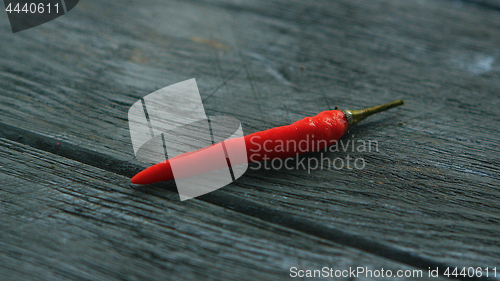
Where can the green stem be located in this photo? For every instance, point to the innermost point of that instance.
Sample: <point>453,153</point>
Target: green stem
<point>355,116</point>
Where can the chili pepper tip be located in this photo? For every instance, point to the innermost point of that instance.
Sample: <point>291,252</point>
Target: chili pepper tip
<point>140,178</point>
<point>355,116</point>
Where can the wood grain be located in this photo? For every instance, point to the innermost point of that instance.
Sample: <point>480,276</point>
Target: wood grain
<point>62,219</point>
<point>430,191</point>
<point>490,4</point>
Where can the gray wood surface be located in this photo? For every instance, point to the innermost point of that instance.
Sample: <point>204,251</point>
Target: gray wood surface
<point>491,4</point>
<point>428,196</point>
<point>89,224</point>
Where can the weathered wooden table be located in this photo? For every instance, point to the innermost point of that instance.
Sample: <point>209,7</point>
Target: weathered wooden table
<point>429,197</point>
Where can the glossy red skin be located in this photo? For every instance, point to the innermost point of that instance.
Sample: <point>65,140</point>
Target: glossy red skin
<point>328,126</point>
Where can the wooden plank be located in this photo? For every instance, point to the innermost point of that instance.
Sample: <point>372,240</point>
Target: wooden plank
<point>433,178</point>
<point>62,219</point>
<point>491,4</point>
<point>430,189</point>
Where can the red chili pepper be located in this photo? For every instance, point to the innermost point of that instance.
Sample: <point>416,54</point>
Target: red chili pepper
<point>307,135</point>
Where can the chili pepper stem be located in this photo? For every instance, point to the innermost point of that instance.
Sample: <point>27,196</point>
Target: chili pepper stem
<point>355,116</point>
